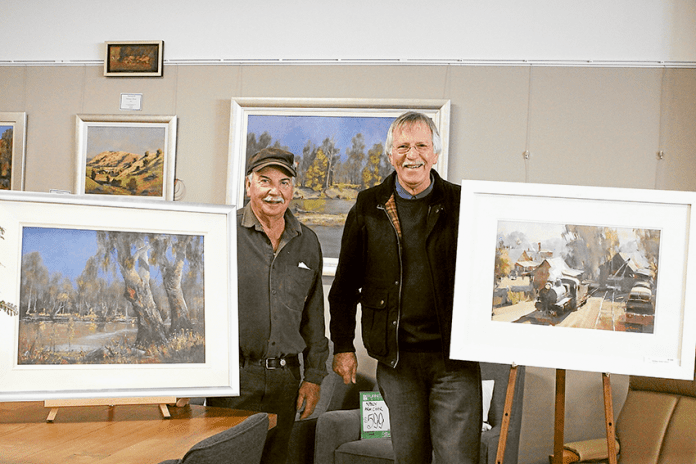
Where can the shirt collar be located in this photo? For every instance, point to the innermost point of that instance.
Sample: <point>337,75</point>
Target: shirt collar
<point>403,193</point>
<point>249,220</point>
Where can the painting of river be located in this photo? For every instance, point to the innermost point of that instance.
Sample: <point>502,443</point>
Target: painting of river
<point>110,297</point>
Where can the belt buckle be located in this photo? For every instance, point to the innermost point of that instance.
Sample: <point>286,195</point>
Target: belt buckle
<point>281,361</point>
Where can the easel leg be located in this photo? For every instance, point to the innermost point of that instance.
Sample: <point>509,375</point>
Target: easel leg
<point>52,415</point>
<point>505,425</point>
<point>559,417</point>
<point>165,411</point>
<point>609,418</point>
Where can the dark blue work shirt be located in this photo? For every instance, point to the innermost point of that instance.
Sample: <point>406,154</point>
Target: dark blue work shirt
<point>281,298</point>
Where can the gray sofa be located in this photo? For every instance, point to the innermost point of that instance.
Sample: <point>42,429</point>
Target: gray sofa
<point>338,432</point>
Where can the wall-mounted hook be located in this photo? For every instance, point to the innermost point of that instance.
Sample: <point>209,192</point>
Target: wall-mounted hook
<point>660,155</point>
<point>526,154</point>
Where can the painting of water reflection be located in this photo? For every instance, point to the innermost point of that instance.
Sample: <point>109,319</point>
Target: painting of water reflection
<point>110,297</point>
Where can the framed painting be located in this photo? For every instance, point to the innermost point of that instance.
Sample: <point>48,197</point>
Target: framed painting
<point>125,156</point>
<point>13,137</point>
<point>105,299</point>
<point>583,278</point>
<point>134,59</point>
<point>339,150</point>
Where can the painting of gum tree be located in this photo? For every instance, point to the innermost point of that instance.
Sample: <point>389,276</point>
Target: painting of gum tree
<point>102,297</point>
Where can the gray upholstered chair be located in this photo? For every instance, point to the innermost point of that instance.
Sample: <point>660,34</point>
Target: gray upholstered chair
<point>241,444</point>
<point>338,432</point>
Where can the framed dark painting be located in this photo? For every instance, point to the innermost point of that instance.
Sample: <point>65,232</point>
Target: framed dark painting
<point>134,58</point>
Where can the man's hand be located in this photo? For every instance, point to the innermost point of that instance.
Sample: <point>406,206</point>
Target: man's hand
<point>346,365</point>
<point>309,396</point>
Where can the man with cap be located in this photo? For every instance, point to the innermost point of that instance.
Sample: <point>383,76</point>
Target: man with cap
<point>281,303</point>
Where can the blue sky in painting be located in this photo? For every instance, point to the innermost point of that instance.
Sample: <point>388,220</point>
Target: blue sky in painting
<point>62,250</point>
<point>132,139</point>
<point>294,131</point>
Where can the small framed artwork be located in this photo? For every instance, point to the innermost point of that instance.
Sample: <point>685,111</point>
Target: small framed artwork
<point>125,156</point>
<point>12,150</point>
<point>134,59</point>
<point>120,299</point>
<point>584,278</point>
<point>339,150</point>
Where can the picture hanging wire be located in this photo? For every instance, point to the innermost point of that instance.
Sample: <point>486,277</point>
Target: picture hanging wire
<point>526,155</point>
<point>179,189</point>
<point>660,141</point>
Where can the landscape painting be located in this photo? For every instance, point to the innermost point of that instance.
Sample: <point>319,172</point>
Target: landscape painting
<point>12,150</point>
<point>110,297</point>
<point>336,158</point>
<point>581,276</point>
<point>6,137</point>
<point>128,59</point>
<point>339,151</point>
<point>129,158</point>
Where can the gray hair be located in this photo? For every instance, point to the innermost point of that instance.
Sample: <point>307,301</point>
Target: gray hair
<point>408,119</point>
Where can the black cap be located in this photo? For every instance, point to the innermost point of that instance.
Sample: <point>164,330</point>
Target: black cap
<point>272,157</point>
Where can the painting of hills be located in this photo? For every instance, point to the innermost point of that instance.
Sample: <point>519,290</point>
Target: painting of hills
<point>123,173</point>
<point>125,161</point>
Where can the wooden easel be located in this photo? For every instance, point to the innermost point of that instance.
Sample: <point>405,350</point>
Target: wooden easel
<point>505,425</point>
<point>161,401</point>
<point>560,418</point>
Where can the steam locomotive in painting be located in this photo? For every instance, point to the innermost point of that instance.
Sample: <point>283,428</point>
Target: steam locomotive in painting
<point>558,296</point>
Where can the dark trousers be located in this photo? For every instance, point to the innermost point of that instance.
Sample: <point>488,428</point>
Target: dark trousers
<point>433,410</point>
<point>273,391</point>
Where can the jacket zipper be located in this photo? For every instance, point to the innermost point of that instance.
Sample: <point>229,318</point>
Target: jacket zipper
<point>401,279</point>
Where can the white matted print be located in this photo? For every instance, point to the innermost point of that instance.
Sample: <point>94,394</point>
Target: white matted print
<point>583,278</point>
<point>116,298</point>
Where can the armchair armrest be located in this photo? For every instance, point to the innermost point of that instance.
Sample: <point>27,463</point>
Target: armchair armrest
<point>587,450</point>
<point>335,428</point>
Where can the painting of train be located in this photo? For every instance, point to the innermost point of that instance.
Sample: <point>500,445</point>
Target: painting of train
<point>578,276</point>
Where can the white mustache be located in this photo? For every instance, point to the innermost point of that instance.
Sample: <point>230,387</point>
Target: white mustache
<point>272,199</point>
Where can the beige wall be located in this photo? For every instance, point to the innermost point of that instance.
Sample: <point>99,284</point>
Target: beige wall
<point>584,126</point>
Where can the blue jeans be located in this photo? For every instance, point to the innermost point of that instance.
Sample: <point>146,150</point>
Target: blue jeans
<point>433,410</point>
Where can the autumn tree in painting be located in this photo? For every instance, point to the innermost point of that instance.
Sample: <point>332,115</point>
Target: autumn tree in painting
<point>35,280</point>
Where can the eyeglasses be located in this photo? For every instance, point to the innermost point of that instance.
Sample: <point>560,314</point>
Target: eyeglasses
<point>420,148</point>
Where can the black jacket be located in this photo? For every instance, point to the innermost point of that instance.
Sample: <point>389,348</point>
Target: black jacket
<point>369,269</point>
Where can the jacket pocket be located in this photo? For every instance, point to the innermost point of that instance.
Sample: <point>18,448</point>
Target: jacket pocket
<point>375,320</point>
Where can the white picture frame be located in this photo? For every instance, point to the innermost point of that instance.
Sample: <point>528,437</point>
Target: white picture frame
<point>333,109</point>
<point>13,133</point>
<point>667,350</point>
<point>35,371</point>
<point>125,156</point>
